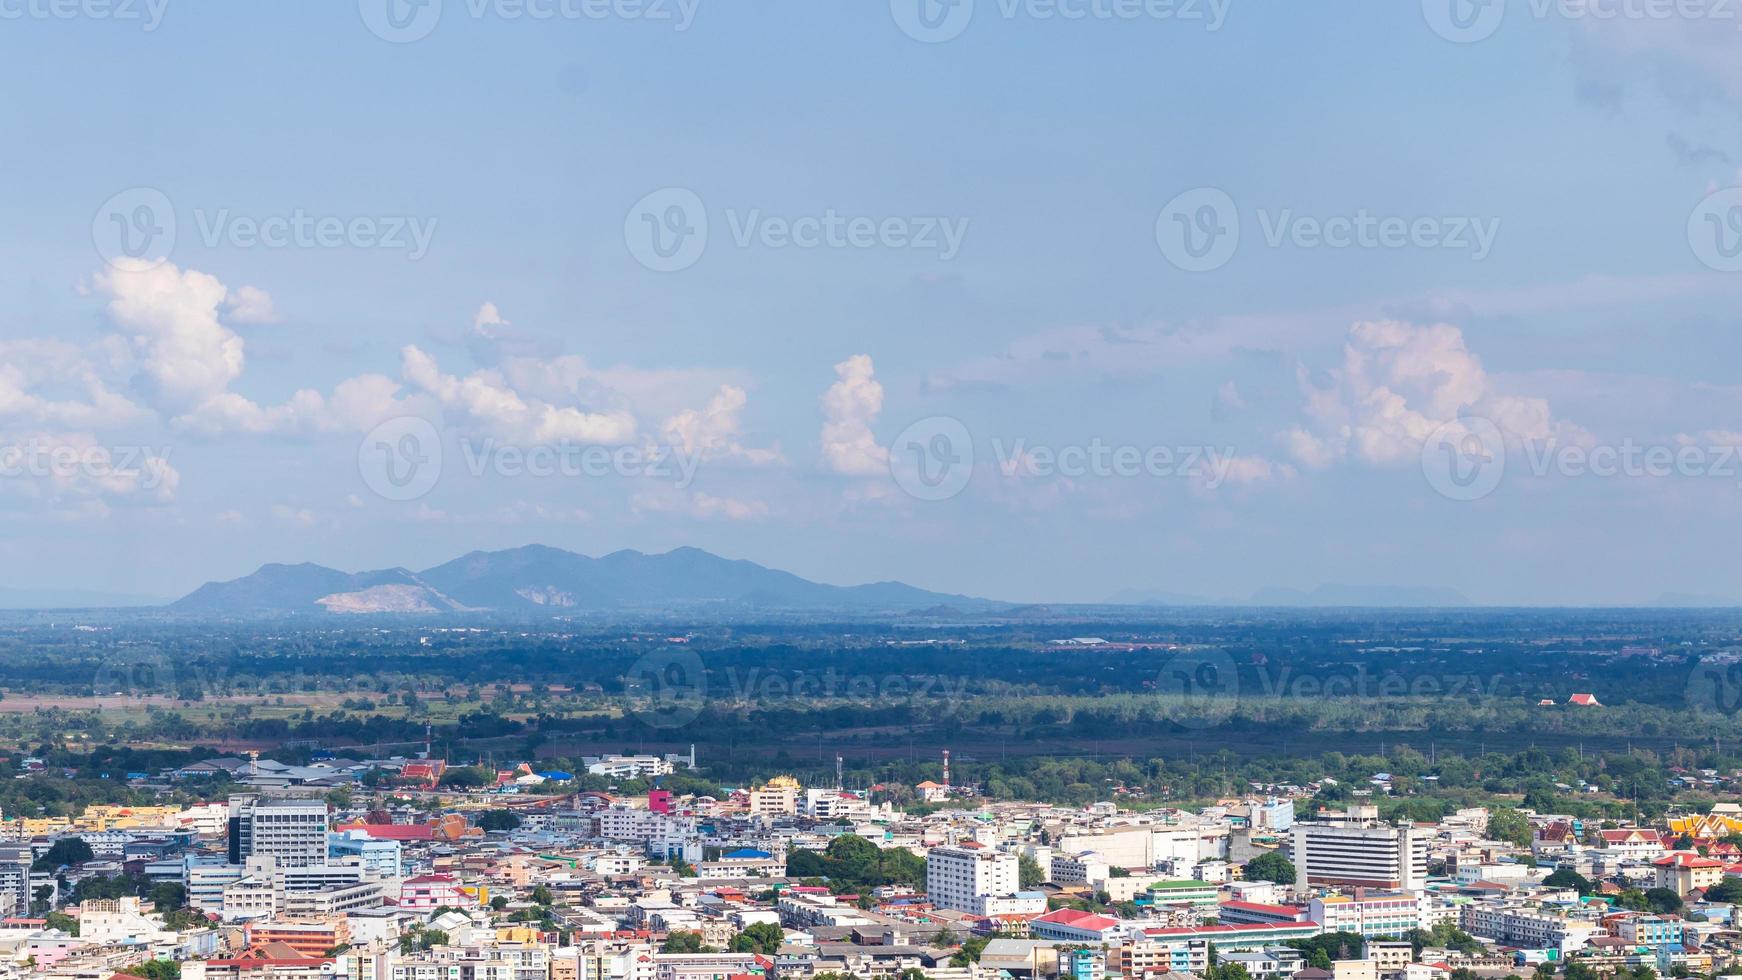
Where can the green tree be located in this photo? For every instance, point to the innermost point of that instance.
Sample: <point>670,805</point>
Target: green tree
<point>1664,901</point>
<point>1568,878</point>
<point>67,850</point>
<point>1510,825</point>
<point>1270,866</point>
<point>759,937</point>
<point>685,942</point>
<point>498,820</point>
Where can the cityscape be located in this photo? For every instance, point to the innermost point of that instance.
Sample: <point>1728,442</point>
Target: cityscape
<point>882,490</point>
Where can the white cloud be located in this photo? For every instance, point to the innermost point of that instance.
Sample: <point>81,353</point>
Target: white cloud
<point>712,433</point>
<point>486,317</point>
<point>485,398</point>
<point>250,304</point>
<point>1398,384</point>
<point>69,466</point>
<point>850,406</point>
<point>187,357</point>
<point>27,367</point>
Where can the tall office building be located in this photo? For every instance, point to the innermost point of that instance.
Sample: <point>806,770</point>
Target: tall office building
<point>291,832</point>
<point>963,877</point>
<point>1356,849</point>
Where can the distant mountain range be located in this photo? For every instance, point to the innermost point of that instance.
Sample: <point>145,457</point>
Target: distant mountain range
<point>536,579</point>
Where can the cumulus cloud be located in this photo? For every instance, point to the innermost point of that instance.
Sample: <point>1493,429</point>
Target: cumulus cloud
<point>30,369</point>
<point>72,466</point>
<point>850,406</point>
<point>187,357</point>
<point>712,432</point>
<point>1397,385</point>
<point>250,304</point>
<point>485,398</point>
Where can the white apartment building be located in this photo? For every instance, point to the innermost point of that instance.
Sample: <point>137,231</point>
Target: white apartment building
<point>959,877</point>
<point>291,832</point>
<point>1370,914</point>
<point>1527,928</point>
<point>1357,850</point>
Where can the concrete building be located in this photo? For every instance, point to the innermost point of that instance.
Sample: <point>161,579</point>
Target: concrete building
<point>959,877</point>
<point>291,832</point>
<point>1356,849</point>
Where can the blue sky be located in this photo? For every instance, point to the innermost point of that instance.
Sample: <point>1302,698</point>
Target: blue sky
<point>1557,292</point>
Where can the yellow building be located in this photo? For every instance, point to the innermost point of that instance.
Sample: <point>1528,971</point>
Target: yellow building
<point>777,797</point>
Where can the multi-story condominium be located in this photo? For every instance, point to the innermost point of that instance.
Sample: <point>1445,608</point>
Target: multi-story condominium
<point>291,832</point>
<point>1146,958</point>
<point>1685,871</point>
<point>1368,914</point>
<point>1357,849</point>
<point>498,961</point>
<point>958,877</point>
<point>702,966</point>
<point>1647,930</point>
<point>628,824</point>
<point>379,857</point>
<point>15,880</point>
<point>1527,928</point>
<point>205,879</point>
<point>775,798</point>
